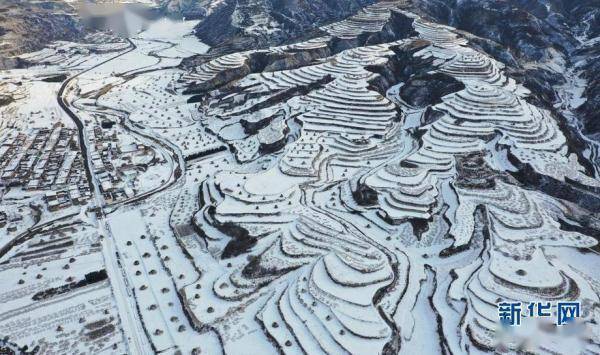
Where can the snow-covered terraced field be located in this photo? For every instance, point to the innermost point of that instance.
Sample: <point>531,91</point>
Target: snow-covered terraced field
<point>341,238</point>
<point>376,187</point>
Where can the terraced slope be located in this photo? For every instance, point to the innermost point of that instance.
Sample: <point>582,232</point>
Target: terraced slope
<point>356,222</point>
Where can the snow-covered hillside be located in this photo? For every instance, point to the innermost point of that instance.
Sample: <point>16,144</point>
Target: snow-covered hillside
<point>375,184</point>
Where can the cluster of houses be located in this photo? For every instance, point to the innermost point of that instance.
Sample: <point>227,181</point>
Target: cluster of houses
<point>45,159</point>
<point>116,164</point>
<point>10,219</point>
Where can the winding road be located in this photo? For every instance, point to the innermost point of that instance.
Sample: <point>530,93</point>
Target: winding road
<point>132,324</point>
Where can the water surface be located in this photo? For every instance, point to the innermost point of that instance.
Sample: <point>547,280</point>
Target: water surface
<point>124,20</point>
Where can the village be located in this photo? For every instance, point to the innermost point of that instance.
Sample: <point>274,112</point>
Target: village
<point>44,160</point>
<point>376,186</point>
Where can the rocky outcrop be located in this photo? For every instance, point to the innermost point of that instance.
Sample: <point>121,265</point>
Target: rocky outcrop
<point>29,26</point>
<point>190,9</point>
<point>237,25</point>
<point>428,89</point>
<point>589,111</point>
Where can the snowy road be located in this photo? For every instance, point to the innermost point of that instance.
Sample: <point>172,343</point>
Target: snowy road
<point>132,326</point>
<point>138,60</point>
